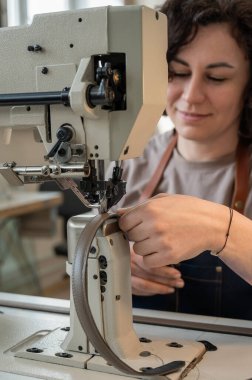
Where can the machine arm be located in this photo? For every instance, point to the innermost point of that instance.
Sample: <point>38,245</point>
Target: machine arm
<point>94,94</point>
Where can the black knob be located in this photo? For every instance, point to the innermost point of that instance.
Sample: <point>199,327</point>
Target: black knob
<point>64,133</point>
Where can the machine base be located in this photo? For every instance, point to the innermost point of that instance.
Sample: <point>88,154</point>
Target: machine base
<point>45,346</point>
<point>24,316</point>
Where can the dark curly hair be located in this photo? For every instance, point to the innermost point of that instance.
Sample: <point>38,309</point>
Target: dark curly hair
<point>186,16</point>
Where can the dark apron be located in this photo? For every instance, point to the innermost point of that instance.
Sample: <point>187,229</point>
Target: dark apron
<point>211,288</point>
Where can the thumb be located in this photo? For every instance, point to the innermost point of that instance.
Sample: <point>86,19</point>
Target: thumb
<point>160,195</point>
<point>122,211</point>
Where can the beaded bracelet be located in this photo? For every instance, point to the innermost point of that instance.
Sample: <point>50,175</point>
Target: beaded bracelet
<point>227,234</point>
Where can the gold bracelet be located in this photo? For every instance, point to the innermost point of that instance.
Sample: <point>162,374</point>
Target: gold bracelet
<point>227,234</point>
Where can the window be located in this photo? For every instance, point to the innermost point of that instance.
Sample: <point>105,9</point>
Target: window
<point>37,7</point>
<point>22,12</point>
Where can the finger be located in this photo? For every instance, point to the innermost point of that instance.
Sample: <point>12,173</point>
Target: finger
<point>154,275</point>
<point>165,275</point>
<point>138,233</point>
<point>131,218</point>
<point>149,288</point>
<point>171,272</point>
<point>161,195</point>
<point>157,259</point>
<point>144,247</point>
<point>165,271</point>
<point>174,283</point>
<point>122,211</point>
<point>161,274</point>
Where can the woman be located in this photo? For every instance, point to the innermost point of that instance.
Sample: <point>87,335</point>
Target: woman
<point>208,100</point>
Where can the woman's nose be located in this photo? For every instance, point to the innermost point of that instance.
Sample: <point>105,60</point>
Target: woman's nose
<point>194,91</point>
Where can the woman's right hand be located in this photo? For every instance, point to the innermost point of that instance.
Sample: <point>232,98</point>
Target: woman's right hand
<point>151,281</point>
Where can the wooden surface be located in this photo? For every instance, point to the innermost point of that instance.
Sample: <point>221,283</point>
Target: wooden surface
<point>21,203</point>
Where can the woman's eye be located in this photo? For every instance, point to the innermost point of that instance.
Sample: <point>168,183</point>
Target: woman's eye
<point>216,79</point>
<point>178,74</point>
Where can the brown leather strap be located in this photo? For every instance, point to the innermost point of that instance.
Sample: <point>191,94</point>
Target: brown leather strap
<point>242,171</point>
<point>241,187</point>
<point>158,173</point>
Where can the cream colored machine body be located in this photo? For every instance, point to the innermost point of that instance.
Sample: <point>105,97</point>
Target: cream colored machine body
<point>91,84</point>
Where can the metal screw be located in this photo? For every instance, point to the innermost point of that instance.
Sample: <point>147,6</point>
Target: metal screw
<point>145,354</point>
<point>34,48</point>
<point>103,277</point>
<point>145,340</point>
<point>174,344</point>
<point>44,70</point>
<point>65,328</point>
<point>145,369</point>
<point>92,249</point>
<point>126,150</point>
<point>45,171</point>
<point>34,350</point>
<point>63,355</point>
<point>103,289</point>
<point>62,152</point>
<point>103,262</point>
<point>239,205</point>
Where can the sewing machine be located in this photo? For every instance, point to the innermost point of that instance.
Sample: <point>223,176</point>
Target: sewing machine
<point>90,84</point>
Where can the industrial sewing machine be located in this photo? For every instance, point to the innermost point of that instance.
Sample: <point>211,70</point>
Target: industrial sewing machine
<point>90,83</point>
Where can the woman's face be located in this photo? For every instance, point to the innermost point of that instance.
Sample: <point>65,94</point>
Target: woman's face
<point>206,94</point>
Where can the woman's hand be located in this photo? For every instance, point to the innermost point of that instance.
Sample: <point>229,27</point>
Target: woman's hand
<point>150,281</point>
<point>168,229</point>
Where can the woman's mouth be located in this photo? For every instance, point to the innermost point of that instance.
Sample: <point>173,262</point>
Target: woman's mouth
<point>192,116</point>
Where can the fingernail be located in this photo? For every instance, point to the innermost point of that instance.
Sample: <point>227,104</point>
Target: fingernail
<point>179,284</point>
<point>177,275</point>
<point>171,291</point>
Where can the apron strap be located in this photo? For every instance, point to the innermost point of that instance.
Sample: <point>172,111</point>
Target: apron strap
<point>242,171</point>
<point>158,173</point>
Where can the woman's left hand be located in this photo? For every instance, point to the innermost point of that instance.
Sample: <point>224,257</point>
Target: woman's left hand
<point>168,229</point>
